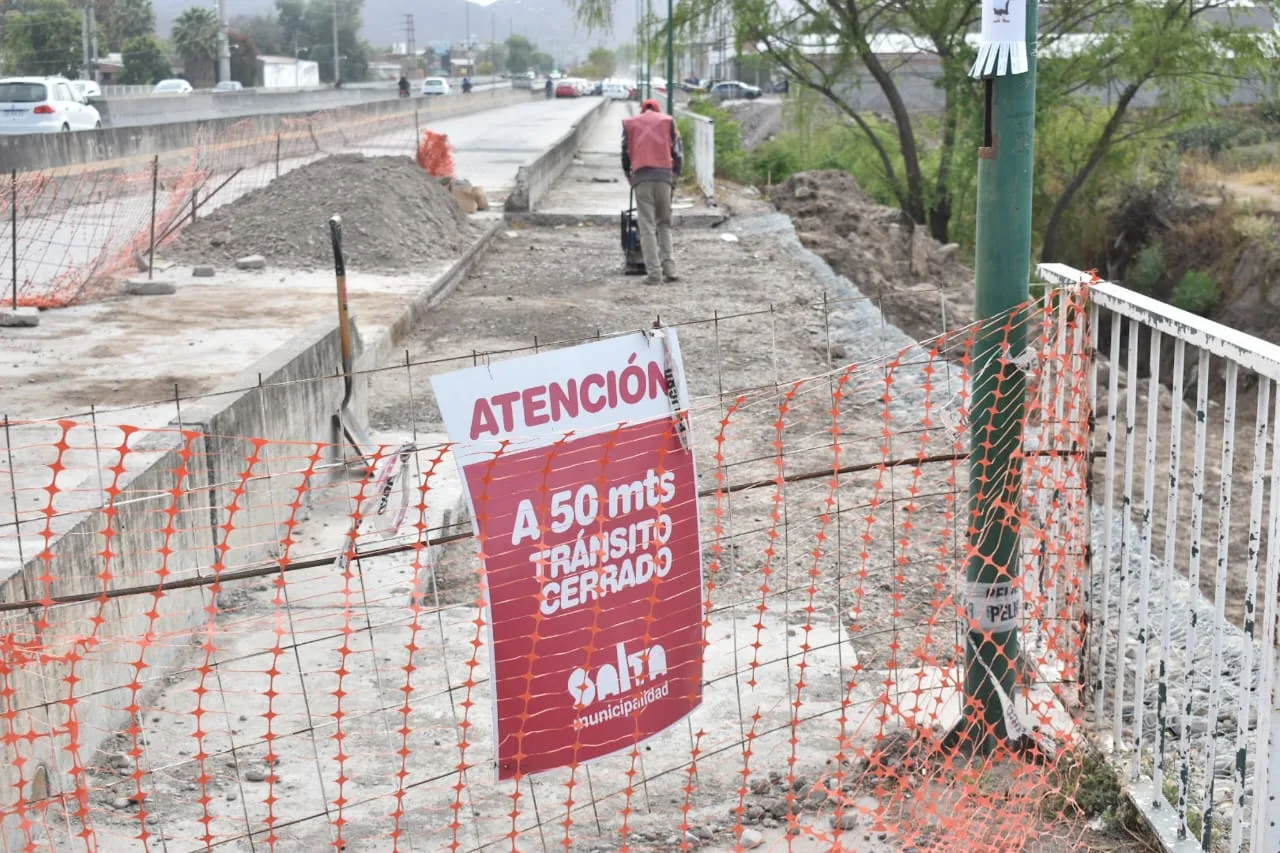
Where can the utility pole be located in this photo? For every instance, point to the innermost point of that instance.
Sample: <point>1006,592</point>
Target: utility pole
<point>224,43</point>
<point>493,52</point>
<point>1003,273</point>
<point>410,48</point>
<point>671,60</point>
<point>337,62</point>
<point>94,73</point>
<point>466,8</point>
<point>84,41</point>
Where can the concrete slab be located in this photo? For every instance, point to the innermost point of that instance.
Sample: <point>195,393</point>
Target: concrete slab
<point>150,287</point>
<point>19,317</point>
<point>594,189</point>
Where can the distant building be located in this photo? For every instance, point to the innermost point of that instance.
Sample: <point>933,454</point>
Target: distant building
<point>109,65</point>
<point>385,70</point>
<point>286,72</point>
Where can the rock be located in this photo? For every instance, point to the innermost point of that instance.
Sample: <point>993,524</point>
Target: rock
<point>752,813</point>
<point>19,317</point>
<point>149,287</point>
<point>919,252</point>
<point>778,809</point>
<point>693,841</point>
<point>946,254</point>
<point>251,262</point>
<point>839,351</point>
<point>222,238</point>
<point>231,796</point>
<point>817,797</point>
<point>121,803</point>
<point>255,775</point>
<point>751,838</point>
<point>760,786</point>
<point>511,235</point>
<point>703,832</point>
<point>799,783</point>
<point>769,823</point>
<point>203,271</point>
<point>845,821</point>
<point>802,192</point>
<point>120,760</point>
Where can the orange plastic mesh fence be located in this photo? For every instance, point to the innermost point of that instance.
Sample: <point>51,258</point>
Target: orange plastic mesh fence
<point>227,641</point>
<point>82,229</point>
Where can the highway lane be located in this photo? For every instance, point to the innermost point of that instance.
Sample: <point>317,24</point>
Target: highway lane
<point>490,147</point>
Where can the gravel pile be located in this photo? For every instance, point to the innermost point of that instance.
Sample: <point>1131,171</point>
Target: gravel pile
<point>394,216</point>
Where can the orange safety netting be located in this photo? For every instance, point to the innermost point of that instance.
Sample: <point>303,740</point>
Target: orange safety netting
<point>82,229</point>
<point>435,154</point>
<point>228,640</point>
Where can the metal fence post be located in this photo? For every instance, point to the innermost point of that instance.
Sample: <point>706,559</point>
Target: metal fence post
<point>277,155</point>
<point>13,232</point>
<point>155,186</point>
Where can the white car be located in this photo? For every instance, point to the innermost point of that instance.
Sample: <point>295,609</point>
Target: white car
<point>617,90</point>
<point>44,105</point>
<point>88,88</point>
<point>229,86</point>
<point>172,87</point>
<point>435,86</point>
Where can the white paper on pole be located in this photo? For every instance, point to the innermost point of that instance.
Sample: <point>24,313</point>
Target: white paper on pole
<point>1003,50</point>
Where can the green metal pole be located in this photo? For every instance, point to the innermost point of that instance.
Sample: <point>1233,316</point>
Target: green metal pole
<point>1003,271</point>
<point>671,60</point>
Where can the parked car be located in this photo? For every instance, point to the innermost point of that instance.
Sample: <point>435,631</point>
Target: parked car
<point>734,90</point>
<point>172,87</point>
<point>88,88</point>
<point>567,89</point>
<point>435,86</point>
<point>229,86</point>
<point>44,105</point>
<point>617,90</point>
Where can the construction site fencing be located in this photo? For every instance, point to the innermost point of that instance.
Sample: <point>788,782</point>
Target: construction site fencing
<point>75,233</point>
<point>1185,589</point>
<point>224,641</point>
<point>703,149</point>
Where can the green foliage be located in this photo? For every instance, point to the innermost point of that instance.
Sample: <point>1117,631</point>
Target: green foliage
<point>1215,136</point>
<point>544,63</point>
<point>1195,820</point>
<point>144,62</point>
<point>1197,292</point>
<point>732,160</point>
<point>601,62</point>
<point>195,38</point>
<point>43,40</point>
<point>244,58</point>
<point>1147,269</point>
<point>305,28</point>
<point>129,19</point>
<point>519,55</point>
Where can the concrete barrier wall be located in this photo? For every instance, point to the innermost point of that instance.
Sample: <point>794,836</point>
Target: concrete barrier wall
<point>205,106</point>
<point>535,178</point>
<point>101,149</point>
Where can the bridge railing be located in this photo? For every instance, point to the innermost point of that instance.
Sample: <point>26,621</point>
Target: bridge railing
<point>1185,569</point>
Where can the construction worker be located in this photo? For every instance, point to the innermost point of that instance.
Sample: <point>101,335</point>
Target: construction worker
<point>652,156</point>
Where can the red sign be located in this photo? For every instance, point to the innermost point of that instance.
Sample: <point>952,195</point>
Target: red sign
<point>590,544</point>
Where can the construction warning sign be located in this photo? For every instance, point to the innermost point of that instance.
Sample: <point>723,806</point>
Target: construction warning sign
<point>580,474</point>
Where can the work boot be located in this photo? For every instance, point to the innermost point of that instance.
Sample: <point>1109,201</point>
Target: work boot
<point>669,271</point>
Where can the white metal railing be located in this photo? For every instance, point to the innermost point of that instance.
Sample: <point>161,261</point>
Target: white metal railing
<point>120,91</point>
<point>704,152</point>
<point>1181,672</point>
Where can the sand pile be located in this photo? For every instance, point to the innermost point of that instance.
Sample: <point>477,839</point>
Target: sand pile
<point>394,216</point>
<point>919,283</point>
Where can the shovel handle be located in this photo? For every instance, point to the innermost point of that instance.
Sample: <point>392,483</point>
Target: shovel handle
<point>344,325</point>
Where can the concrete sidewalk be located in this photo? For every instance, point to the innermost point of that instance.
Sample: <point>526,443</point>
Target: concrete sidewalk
<point>594,189</point>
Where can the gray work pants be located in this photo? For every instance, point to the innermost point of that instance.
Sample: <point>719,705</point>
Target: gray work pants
<point>653,210</point>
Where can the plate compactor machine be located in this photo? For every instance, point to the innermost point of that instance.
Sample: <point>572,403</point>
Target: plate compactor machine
<point>633,258</point>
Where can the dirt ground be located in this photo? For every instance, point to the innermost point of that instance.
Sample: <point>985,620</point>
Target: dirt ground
<point>831,594</point>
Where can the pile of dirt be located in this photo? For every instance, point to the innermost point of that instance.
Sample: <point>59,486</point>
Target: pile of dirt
<point>919,283</point>
<point>394,216</point>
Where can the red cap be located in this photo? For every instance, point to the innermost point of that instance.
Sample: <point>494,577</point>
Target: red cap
<point>651,104</point>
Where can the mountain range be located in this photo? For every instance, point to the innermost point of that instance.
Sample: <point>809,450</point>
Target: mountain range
<point>548,23</point>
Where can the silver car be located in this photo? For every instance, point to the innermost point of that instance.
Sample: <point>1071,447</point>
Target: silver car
<point>44,105</point>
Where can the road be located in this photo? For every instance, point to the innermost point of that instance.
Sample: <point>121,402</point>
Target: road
<point>490,147</point>
<point>145,109</point>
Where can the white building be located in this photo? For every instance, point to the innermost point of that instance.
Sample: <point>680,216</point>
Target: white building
<point>287,72</point>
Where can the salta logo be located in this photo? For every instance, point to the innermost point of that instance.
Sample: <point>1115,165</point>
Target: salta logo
<point>633,670</point>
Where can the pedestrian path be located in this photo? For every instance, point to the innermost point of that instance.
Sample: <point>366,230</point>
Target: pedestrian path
<point>593,187</point>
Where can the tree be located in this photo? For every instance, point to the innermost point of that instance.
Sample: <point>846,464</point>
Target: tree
<point>601,62</point>
<point>1167,53</point>
<point>195,38</point>
<point>265,33</point>
<point>130,19</point>
<point>244,58</point>
<point>43,40</point>
<point>144,62</point>
<point>519,55</point>
<point>544,62</point>
<point>317,30</point>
